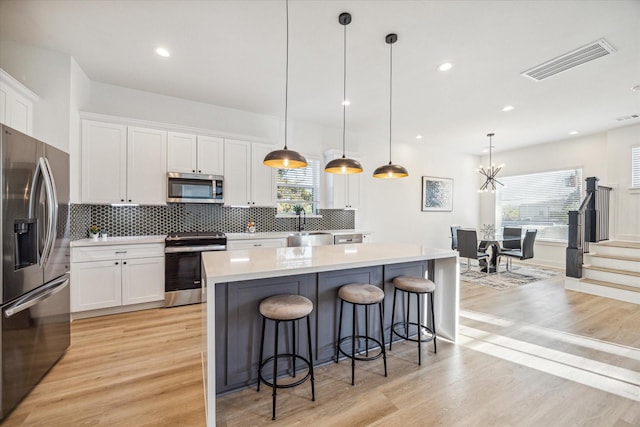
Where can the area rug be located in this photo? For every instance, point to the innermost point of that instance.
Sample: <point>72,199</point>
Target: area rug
<point>517,276</point>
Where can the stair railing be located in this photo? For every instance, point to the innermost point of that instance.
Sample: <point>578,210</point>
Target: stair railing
<point>590,223</point>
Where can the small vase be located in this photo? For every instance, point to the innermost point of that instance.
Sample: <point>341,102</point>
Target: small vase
<point>94,237</point>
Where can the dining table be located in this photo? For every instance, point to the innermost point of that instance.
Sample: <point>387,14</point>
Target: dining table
<point>492,245</point>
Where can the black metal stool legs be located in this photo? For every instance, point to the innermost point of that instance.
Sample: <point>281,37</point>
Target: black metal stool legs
<point>274,388</point>
<point>406,322</point>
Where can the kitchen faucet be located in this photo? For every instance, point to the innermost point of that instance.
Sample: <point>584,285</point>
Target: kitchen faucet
<point>302,221</point>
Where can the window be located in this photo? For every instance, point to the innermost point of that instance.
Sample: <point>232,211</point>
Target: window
<point>539,201</point>
<point>635,167</point>
<point>299,187</point>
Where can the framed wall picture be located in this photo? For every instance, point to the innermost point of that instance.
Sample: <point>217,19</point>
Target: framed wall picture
<point>437,194</point>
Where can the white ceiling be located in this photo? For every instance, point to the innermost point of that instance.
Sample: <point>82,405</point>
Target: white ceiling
<point>232,54</point>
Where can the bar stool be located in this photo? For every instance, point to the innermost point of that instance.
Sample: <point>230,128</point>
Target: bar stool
<point>416,286</point>
<point>285,308</point>
<point>361,295</point>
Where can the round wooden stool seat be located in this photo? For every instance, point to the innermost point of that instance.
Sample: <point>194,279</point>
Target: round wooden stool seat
<point>414,284</point>
<point>286,307</point>
<point>361,293</point>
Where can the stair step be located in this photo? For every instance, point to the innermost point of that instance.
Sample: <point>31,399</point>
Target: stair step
<point>614,271</point>
<point>620,244</point>
<point>610,285</point>
<point>609,256</point>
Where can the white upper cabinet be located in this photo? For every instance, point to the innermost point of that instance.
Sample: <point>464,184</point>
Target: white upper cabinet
<point>263,178</point>
<point>343,191</point>
<point>146,166</point>
<point>123,164</point>
<point>248,182</point>
<point>210,155</point>
<point>189,153</point>
<point>16,104</point>
<point>104,162</point>
<point>346,191</point>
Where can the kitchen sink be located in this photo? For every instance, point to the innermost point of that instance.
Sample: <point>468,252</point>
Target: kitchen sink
<point>311,238</point>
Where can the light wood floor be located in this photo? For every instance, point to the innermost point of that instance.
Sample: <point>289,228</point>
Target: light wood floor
<point>532,356</point>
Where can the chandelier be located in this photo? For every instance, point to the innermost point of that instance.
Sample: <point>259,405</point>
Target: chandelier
<point>490,172</point>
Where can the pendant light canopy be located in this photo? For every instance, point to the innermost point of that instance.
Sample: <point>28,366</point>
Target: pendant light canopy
<point>285,158</point>
<point>490,172</point>
<point>390,170</point>
<point>344,165</point>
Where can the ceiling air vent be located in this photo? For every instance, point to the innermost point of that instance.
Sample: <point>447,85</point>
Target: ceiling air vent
<point>569,60</point>
<point>630,117</point>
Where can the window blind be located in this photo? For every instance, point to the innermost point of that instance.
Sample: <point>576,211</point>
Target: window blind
<point>298,187</point>
<point>635,167</point>
<point>539,201</point>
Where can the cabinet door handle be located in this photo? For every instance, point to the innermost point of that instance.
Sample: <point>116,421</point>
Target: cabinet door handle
<point>117,263</point>
<point>121,252</point>
<point>124,262</point>
<point>257,244</point>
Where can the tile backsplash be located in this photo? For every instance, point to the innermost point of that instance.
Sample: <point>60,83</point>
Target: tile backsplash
<point>155,220</point>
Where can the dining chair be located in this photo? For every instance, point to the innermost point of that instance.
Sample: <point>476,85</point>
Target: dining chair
<point>527,249</point>
<point>512,232</point>
<point>468,246</point>
<point>454,236</point>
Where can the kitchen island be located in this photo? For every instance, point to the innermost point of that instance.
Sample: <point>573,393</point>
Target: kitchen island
<point>235,281</point>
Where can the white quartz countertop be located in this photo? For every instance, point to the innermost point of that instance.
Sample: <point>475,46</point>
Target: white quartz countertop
<point>284,234</point>
<point>230,266</point>
<point>119,240</point>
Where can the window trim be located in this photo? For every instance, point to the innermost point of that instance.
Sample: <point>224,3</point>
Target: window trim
<point>316,203</point>
<point>541,238</point>
<point>635,168</point>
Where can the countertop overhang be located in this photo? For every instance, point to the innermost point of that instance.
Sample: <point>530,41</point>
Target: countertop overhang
<point>249,264</point>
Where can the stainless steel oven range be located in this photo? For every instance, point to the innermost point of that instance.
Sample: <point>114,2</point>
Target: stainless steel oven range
<point>182,281</point>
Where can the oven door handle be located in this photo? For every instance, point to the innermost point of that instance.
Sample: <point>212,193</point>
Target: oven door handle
<point>179,249</point>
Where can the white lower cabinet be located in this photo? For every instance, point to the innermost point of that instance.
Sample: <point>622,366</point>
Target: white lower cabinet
<point>113,276</point>
<point>256,243</point>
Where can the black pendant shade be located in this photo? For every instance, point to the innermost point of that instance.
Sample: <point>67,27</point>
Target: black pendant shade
<point>285,158</point>
<point>390,170</point>
<point>344,165</point>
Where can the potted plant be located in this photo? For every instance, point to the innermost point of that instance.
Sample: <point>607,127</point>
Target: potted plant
<point>297,209</point>
<point>93,231</point>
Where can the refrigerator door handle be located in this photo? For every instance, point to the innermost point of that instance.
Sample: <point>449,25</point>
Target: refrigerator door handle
<point>30,300</point>
<point>43,169</point>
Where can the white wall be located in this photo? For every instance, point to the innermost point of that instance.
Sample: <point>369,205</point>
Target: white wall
<point>391,208</point>
<point>47,74</point>
<point>625,224</point>
<point>79,95</point>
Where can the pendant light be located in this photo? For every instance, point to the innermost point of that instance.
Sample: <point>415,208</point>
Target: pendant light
<point>390,170</point>
<point>344,165</point>
<point>285,158</point>
<point>490,172</point>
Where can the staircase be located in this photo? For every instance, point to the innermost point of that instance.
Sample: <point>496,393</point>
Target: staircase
<point>611,269</point>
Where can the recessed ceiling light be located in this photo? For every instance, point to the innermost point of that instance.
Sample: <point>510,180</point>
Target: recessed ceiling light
<point>636,88</point>
<point>508,108</point>
<point>574,132</point>
<point>445,66</point>
<point>418,136</point>
<point>162,52</point>
<point>346,102</point>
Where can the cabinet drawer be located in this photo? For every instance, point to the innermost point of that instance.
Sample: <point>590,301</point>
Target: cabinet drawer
<point>108,252</point>
<point>256,243</point>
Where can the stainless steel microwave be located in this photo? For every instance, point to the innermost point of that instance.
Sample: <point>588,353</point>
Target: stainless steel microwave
<point>194,188</point>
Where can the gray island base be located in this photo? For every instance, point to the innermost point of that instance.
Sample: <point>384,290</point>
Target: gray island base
<point>237,280</point>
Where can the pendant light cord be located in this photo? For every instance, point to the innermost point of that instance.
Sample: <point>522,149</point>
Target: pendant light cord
<point>344,90</point>
<point>286,81</point>
<point>390,93</point>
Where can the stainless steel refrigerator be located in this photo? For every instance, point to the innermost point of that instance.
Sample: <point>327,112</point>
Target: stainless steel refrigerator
<point>35,302</point>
